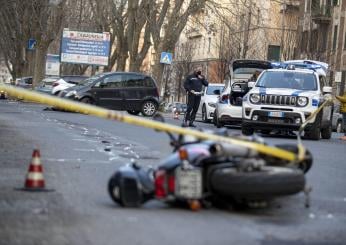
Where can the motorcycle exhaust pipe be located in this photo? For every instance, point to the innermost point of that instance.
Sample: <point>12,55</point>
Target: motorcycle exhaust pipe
<point>229,150</point>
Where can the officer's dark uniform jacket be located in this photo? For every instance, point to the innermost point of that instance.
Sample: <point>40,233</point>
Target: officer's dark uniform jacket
<point>192,82</point>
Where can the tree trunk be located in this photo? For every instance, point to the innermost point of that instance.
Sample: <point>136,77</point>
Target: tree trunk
<point>121,62</point>
<point>135,65</point>
<point>158,70</point>
<point>40,64</point>
<point>29,65</point>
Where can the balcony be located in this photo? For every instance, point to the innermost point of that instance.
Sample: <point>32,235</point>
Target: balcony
<point>290,6</point>
<point>321,14</point>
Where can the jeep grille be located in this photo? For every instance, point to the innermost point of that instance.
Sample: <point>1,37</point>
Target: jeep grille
<point>270,99</point>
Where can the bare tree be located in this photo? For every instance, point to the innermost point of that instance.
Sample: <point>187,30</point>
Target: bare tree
<point>14,34</point>
<point>167,22</point>
<point>180,69</point>
<point>47,20</point>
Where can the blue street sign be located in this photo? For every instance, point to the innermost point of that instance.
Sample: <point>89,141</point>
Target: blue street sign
<point>166,58</point>
<point>31,44</point>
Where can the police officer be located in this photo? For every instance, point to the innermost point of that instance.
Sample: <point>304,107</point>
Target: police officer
<point>193,86</point>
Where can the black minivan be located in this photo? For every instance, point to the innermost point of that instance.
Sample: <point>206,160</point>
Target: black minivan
<point>130,91</point>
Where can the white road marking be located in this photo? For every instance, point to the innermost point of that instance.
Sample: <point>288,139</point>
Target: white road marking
<point>86,140</point>
<point>85,150</point>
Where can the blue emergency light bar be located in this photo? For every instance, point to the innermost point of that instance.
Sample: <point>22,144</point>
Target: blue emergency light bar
<point>303,65</point>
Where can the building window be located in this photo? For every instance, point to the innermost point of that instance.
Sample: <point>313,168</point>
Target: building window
<point>307,6</point>
<point>304,41</point>
<point>323,43</point>
<point>273,53</point>
<point>335,35</point>
<point>315,6</point>
<point>313,41</point>
<point>335,2</point>
<point>345,41</point>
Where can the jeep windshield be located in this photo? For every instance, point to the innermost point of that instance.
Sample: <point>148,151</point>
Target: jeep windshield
<point>289,80</point>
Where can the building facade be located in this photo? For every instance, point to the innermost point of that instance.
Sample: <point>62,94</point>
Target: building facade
<point>239,29</point>
<point>322,36</point>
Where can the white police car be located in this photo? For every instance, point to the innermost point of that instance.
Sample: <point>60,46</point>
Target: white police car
<point>285,98</point>
<point>209,98</point>
<point>228,109</point>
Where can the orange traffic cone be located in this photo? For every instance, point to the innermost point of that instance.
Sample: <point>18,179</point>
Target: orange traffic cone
<point>175,115</point>
<point>34,178</point>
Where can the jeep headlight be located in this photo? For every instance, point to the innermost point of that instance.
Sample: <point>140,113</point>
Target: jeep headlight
<point>71,93</point>
<point>302,101</point>
<point>255,98</point>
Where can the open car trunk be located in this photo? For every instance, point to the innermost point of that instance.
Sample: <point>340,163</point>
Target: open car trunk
<point>241,72</point>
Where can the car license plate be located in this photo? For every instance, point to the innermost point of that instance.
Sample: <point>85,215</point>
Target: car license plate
<point>276,114</point>
<point>188,183</point>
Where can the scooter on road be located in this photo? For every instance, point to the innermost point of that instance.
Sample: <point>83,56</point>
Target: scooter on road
<point>202,173</point>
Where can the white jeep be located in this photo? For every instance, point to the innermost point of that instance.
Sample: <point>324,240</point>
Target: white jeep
<point>282,99</point>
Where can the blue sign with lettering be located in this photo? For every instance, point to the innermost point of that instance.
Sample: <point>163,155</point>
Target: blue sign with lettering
<point>166,58</point>
<point>85,47</point>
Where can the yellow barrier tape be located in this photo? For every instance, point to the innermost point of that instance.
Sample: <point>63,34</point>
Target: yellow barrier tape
<point>110,114</point>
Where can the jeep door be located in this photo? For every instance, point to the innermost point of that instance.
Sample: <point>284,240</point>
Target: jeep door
<point>107,92</point>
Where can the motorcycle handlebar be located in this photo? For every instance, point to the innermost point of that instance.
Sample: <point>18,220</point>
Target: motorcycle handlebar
<point>228,150</point>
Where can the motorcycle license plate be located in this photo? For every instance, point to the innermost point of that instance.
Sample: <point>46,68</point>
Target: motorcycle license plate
<point>276,114</point>
<point>188,183</point>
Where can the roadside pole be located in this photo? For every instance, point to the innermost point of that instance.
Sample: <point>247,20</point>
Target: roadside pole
<point>166,59</point>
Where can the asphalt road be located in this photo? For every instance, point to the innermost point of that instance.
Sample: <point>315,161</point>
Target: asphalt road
<point>79,153</point>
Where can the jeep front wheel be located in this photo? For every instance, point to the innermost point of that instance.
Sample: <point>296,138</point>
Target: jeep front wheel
<point>314,132</point>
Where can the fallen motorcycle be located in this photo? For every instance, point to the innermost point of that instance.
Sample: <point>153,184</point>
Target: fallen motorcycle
<point>200,172</point>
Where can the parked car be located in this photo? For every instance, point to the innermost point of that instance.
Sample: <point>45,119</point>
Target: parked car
<point>46,85</point>
<point>66,81</point>
<point>229,106</point>
<point>208,102</point>
<point>337,121</point>
<point>133,92</point>
<point>24,82</point>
